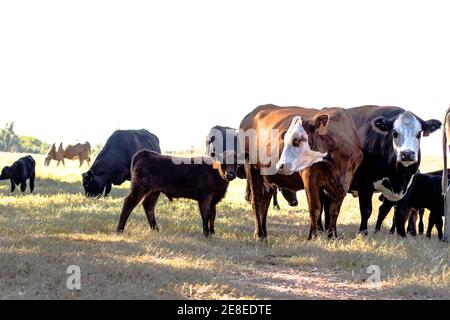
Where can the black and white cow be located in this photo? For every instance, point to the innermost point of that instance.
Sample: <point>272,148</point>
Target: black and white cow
<point>221,139</point>
<point>391,142</point>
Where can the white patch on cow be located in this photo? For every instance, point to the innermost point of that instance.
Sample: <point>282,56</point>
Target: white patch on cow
<point>297,157</point>
<point>388,193</point>
<point>406,131</point>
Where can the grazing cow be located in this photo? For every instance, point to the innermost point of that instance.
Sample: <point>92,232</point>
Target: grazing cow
<point>19,172</point>
<point>80,151</point>
<point>201,179</point>
<point>391,141</point>
<point>318,150</point>
<point>418,190</point>
<point>220,139</point>
<point>112,165</point>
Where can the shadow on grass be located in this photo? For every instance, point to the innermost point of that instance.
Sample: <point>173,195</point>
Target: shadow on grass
<point>48,186</point>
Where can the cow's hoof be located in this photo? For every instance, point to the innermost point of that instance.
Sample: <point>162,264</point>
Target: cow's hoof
<point>376,231</point>
<point>277,207</point>
<point>364,232</point>
<point>119,231</point>
<point>154,227</point>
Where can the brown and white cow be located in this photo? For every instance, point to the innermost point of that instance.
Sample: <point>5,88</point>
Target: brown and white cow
<point>315,150</point>
<point>80,151</point>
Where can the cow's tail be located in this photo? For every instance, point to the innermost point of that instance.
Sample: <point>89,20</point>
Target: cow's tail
<point>444,149</point>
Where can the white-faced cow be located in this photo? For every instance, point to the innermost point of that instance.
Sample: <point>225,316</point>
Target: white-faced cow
<point>315,150</point>
<point>391,141</point>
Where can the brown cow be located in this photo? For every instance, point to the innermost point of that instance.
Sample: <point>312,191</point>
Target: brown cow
<point>319,151</point>
<point>199,178</point>
<point>80,151</point>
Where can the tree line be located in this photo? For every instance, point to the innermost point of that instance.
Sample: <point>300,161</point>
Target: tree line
<point>12,142</point>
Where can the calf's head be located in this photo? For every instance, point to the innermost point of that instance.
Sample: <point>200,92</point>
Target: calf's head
<point>406,130</point>
<point>297,154</point>
<point>94,185</point>
<point>226,164</point>
<point>6,173</point>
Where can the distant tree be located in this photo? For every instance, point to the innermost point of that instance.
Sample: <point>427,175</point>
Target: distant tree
<point>28,144</point>
<point>9,140</point>
<point>96,149</point>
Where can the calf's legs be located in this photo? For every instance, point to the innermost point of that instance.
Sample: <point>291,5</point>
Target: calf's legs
<point>149,204</point>
<point>130,202</point>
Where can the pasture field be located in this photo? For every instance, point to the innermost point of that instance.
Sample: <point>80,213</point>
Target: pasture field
<point>44,233</point>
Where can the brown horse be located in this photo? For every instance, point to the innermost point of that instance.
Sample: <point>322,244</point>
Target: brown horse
<point>80,151</point>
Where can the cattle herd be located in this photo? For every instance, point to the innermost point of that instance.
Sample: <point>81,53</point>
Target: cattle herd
<point>328,153</point>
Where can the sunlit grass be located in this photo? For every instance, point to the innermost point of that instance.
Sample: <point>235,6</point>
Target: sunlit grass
<point>43,233</point>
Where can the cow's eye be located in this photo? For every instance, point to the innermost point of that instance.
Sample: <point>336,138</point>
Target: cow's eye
<point>395,134</point>
<point>419,135</point>
<point>296,142</point>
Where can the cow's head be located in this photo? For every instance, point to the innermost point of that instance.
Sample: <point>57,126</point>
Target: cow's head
<point>6,173</point>
<point>226,164</point>
<point>51,155</point>
<point>290,196</point>
<point>94,185</point>
<point>297,154</point>
<point>406,130</point>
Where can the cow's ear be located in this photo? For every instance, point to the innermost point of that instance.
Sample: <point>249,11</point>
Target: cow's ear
<point>430,126</point>
<point>383,124</point>
<point>216,165</point>
<point>320,123</point>
<point>282,135</point>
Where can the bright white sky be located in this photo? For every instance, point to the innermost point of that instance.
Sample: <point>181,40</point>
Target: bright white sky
<point>77,70</point>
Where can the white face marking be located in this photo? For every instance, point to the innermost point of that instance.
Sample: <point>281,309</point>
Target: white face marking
<point>406,133</point>
<point>388,193</point>
<point>297,155</point>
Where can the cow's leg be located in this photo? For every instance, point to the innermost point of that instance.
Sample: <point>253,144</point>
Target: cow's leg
<point>58,163</point>
<point>32,182</point>
<point>266,203</point>
<point>130,202</point>
<point>401,216</point>
<point>313,196</point>
<point>327,211</point>
<point>64,164</point>
<point>81,160</point>
<point>412,222</point>
<point>392,231</point>
<point>275,199</point>
<point>108,188</point>
<point>149,204</point>
<point>365,205</point>
<point>421,228</point>
<point>439,224</point>
<point>256,186</point>
<point>430,225</point>
<point>212,218</point>
<point>13,186</point>
<point>248,193</point>
<point>23,185</point>
<point>335,208</point>
<point>205,212</point>
<point>383,211</point>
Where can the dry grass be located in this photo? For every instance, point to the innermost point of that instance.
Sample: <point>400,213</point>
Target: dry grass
<point>42,234</point>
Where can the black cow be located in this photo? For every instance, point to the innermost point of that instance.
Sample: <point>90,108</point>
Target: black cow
<point>112,165</point>
<point>19,172</point>
<point>220,139</point>
<point>198,178</point>
<point>426,193</point>
<point>391,143</point>
<point>420,194</point>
